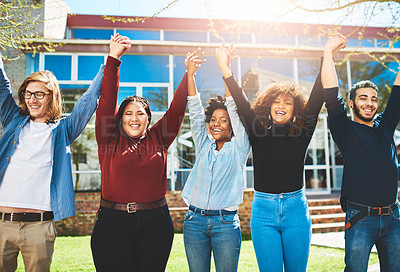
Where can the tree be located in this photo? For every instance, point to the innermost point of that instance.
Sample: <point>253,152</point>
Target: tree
<point>21,24</point>
<point>368,10</point>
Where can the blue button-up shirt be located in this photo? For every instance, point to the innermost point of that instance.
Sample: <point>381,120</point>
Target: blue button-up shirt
<point>64,133</point>
<point>217,179</point>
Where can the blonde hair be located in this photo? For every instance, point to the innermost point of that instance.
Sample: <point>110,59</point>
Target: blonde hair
<point>51,83</point>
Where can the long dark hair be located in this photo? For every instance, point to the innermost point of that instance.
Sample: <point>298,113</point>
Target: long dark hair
<point>134,98</point>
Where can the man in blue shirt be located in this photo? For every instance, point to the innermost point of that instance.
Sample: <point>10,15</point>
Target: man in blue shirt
<point>35,166</point>
<point>370,176</point>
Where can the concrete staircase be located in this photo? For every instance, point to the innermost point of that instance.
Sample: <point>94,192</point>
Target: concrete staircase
<point>326,215</point>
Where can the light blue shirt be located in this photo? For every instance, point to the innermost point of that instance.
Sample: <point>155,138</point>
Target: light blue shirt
<point>64,133</point>
<point>216,180</point>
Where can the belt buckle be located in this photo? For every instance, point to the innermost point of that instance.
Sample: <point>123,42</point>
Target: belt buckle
<point>382,209</point>
<point>128,205</point>
<point>202,212</point>
<point>387,209</point>
<point>11,216</point>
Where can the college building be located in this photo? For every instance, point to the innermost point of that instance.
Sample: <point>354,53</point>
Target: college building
<point>154,66</point>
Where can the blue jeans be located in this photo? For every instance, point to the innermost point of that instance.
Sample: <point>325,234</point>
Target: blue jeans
<point>281,231</point>
<point>219,234</point>
<point>383,231</point>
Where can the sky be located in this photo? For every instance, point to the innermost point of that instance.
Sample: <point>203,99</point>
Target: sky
<point>262,10</point>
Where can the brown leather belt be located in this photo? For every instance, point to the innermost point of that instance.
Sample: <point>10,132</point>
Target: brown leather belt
<point>133,206</point>
<point>26,217</point>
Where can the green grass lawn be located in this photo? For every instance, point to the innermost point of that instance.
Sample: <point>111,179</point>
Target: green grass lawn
<point>73,254</point>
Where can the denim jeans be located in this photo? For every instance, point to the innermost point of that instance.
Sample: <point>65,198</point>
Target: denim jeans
<point>383,231</point>
<point>281,231</point>
<point>219,234</point>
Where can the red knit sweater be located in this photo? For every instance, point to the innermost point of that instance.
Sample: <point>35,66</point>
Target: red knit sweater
<point>133,172</point>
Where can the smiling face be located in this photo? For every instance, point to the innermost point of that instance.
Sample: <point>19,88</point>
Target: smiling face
<point>220,127</point>
<point>282,109</point>
<point>365,105</point>
<point>38,109</point>
<point>134,120</point>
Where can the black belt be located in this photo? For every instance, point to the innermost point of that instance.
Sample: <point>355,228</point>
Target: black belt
<point>211,212</point>
<point>27,217</point>
<point>133,206</point>
<point>365,211</point>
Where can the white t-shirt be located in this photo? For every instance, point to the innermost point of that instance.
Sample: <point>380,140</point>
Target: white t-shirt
<point>26,182</point>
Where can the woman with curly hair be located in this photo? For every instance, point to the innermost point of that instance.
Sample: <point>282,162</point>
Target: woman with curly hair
<point>280,125</point>
<point>214,189</point>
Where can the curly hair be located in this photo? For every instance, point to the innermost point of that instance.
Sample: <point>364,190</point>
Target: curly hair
<point>213,104</point>
<point>262,103</point>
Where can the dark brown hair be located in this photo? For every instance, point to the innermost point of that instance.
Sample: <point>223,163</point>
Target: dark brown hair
<point>213,104</point>
<point>133,98</point>
<point>262,104</point>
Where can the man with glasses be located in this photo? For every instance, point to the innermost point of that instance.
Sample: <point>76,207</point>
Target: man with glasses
<point>370,175</point>
<point>35,166</point>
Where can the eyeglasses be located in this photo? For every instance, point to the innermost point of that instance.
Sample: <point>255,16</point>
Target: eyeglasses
<point>37,95</point>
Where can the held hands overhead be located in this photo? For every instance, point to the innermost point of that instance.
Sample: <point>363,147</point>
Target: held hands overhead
<point>119,45</point>
<point>328,72</point>
<point>224,57</point>
<point>193,61</point>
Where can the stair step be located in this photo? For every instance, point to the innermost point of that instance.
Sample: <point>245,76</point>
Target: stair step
<point>325,209</point>
<point>323,202</point>
<point>327,227</point>
<point>328,218</point>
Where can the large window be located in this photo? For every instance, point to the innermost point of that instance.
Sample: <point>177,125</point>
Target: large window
<point>137,68</point>
<point>275,39</point>
<point>124,92</point>
<point>140,34</point>
<point>92,34</point>
<point>60,65</point>
<point>88,66</point>
<point>85,163</point>
<point>258,73</point>
<point>185,36</point>
<point>230,37</point>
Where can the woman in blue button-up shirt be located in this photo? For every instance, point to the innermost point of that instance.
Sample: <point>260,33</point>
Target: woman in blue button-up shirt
<point>214,189</point>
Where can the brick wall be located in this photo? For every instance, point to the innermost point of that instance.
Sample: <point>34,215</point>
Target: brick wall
<point>15,70</point>
<point>87,204</point>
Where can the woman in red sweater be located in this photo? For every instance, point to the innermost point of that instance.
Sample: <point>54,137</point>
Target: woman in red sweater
<point>134,230</point>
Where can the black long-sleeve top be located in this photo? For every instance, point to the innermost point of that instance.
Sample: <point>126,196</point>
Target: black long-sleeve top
<point>371,171</point>
<point>277,155</point>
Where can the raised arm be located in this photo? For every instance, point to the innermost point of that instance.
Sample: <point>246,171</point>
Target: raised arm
<point>197,123</point>
<point>391,116</point>
<point>105,114</point>
<point>193,62</point>
<point>246,113</point>
<point>328,74</point>
<point>8,107</point>
<point>169,125</point>
<point>334,101</point>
